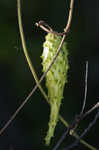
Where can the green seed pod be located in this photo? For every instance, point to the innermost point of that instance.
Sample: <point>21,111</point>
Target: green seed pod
<point>55,78</point>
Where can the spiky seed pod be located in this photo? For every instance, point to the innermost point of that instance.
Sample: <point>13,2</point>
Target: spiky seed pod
<point>55,78</point>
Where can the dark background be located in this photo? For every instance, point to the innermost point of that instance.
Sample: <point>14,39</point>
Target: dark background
<point>29,128</point>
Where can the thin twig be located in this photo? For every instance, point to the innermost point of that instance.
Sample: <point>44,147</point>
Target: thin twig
<point>85,92</point>
<point>91,110</point>
<point>44,26</point>
<point>42,23</point>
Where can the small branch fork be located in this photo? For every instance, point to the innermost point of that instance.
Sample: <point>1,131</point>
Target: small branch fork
<point>44,26</point>
<point>78,118</point>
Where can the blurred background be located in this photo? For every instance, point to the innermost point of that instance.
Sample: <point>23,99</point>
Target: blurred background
<point>29,128</point>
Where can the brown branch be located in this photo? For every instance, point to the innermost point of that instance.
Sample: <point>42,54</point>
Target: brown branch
<point>44,26</point>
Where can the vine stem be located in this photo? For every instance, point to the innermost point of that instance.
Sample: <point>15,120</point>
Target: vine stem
<point>42,77</point>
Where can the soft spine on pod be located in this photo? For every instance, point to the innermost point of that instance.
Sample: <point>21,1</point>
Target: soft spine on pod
<point>55,78</point>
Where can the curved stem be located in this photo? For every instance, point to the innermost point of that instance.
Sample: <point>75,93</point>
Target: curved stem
<point>85,93</point>
<point>26,51</point>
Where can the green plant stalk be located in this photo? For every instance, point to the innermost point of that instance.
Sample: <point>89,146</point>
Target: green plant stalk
<point>35,76</point>
<point>26,51</point>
